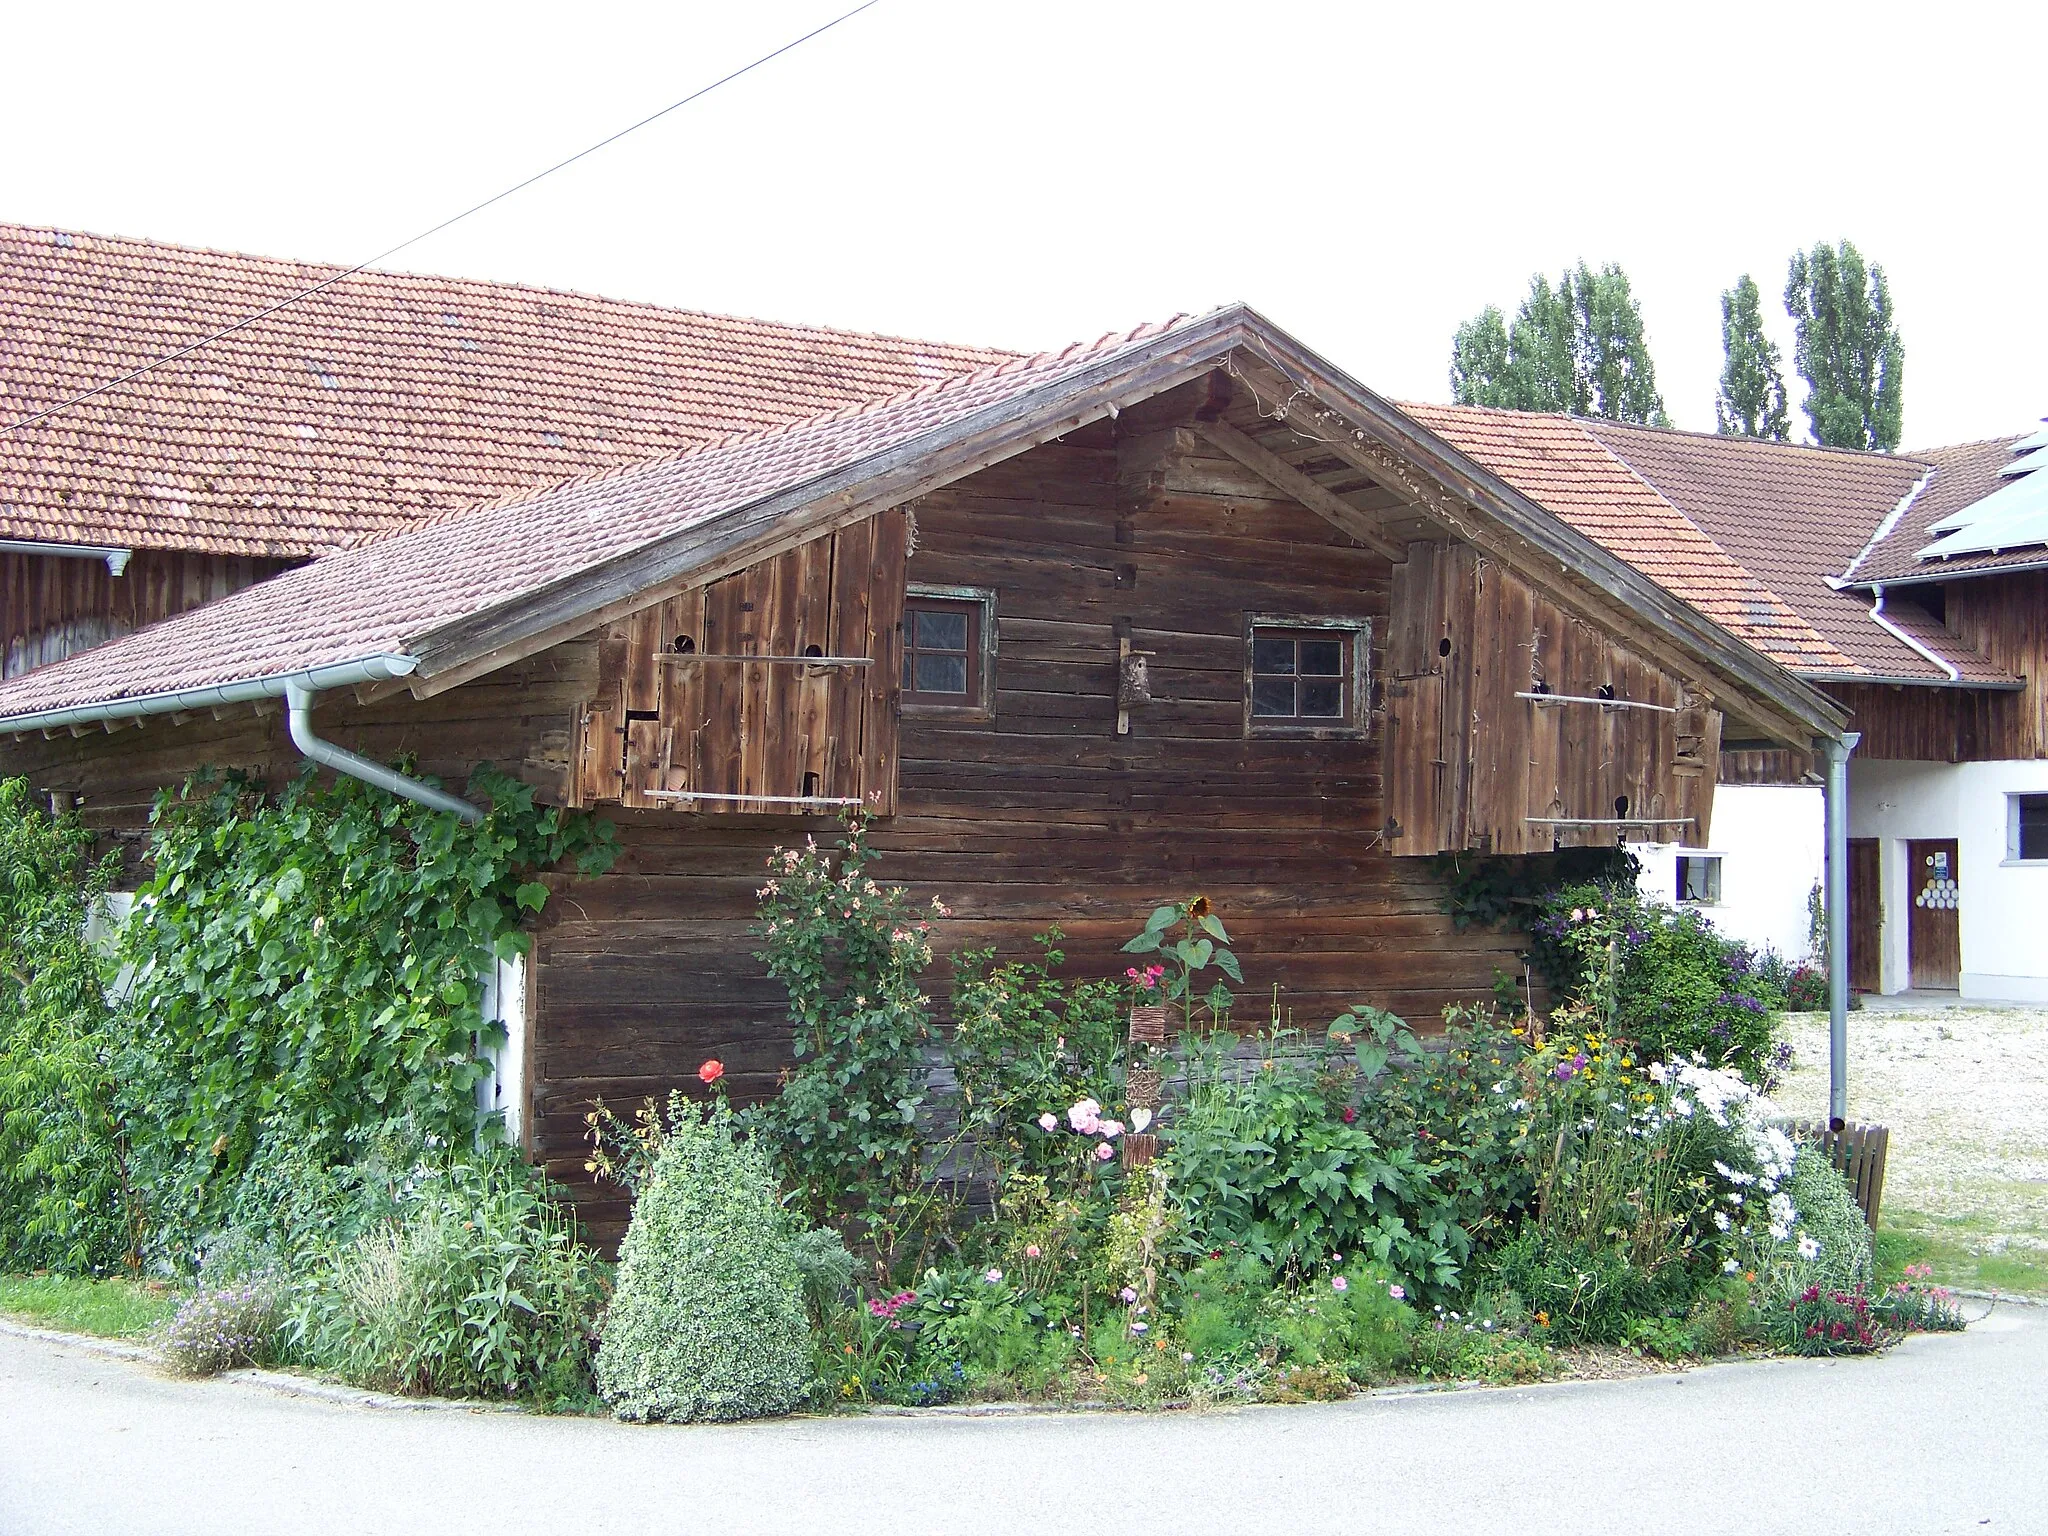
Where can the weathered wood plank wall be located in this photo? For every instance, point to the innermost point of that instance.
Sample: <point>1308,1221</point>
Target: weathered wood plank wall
<point>1474,766</point>
<point>51,606</point>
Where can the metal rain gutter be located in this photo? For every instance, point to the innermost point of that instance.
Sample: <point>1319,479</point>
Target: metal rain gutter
<point>298,689</point>
<point>116,558</point>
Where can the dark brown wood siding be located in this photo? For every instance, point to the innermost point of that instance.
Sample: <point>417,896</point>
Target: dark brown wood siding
<point>53,605</point>
<point>2005,618</point>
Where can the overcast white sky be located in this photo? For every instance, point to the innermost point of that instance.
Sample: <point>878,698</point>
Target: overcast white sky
<point>1030,174</point>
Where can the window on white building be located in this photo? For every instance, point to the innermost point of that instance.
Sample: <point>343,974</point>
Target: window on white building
<point>1699,878</point>
<point>2027,827</point>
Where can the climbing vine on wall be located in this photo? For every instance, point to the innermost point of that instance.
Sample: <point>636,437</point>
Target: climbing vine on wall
<point>305,968</point>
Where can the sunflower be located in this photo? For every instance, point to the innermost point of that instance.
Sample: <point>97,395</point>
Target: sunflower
<point>1199,907</point>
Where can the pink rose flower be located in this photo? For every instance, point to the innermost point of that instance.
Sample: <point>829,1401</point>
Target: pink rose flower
<point>1397,1293</point>
<point>1111,1128</point>
<point>1048,1121</point>
<point>1031,1252</point>
<point>1085,1116</point>
<point>1104,1151</point>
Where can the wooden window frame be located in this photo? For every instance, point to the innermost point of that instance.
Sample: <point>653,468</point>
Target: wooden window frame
<point>980,708</point>
<point>1358,681</point>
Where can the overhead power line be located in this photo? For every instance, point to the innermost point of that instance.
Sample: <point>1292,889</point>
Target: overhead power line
<point>328,282</point>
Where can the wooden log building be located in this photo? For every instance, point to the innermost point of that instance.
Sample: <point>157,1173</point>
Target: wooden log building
<point>1188,610</point>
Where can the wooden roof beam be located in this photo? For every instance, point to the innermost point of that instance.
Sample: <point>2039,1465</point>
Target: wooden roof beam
<point>1279,473</point>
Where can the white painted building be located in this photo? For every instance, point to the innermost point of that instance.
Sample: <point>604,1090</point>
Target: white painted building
<point>1755,879</point>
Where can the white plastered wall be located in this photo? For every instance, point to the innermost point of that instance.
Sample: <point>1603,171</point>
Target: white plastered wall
<point>1772,843</point>
<point>2003,904</point>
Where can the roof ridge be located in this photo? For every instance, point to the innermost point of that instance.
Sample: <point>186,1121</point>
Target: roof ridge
<point>143,243</point>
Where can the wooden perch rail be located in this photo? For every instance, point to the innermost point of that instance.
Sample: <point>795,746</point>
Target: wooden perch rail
<point>679,658</point>
<point>1576,698</point>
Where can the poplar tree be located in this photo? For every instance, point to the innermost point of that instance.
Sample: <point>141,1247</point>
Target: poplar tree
<point>1848,348</point>
<point>1578,347</point>
<point>1752,398</point>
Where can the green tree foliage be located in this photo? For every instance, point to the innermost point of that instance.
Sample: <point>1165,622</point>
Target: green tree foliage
<point>1578,347</point>
<point>708,1321</point>
<point>306,968</point>
<point>1848,348</point>
<point>66,1198</point>
<point>1751,402</point>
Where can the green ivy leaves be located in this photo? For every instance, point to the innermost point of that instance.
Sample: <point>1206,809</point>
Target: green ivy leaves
<point>308,967</point>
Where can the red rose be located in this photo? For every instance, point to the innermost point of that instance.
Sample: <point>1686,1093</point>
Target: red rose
<point>711,1071</point>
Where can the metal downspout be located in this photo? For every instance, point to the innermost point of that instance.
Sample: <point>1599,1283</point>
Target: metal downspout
<point>1878,618</point>
<point>1837,793</point>
<point>300,699</point>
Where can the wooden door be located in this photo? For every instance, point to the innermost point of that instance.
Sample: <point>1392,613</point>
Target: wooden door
<point>1934,935</point>
<point>1866,916</point>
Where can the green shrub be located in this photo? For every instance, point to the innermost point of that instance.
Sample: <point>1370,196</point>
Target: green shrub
<point>1586,1293</point>
<point>1829,1244</point>
<point>218,1329</point>
<point>825,1268</point>
<point>1276,1159</point>
<point>1676,988</point>
<point>708,1319</point>
<point>1024,1042</point>
<point>851,954</point>
<point>68,1199</point>
<point>1463,1110</point>
<point>476,1286</point>
<point>306,967</point>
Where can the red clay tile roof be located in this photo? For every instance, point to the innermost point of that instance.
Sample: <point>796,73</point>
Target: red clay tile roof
<point>383,597</point>
<point>384,398</point>
<point>1747,531</point>
<point>1963,473</point>
<point>1555,461</point>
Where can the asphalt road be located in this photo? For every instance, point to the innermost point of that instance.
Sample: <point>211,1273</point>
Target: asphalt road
<point>1946,1434</point>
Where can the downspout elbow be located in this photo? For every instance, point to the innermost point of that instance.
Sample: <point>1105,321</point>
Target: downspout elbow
<point>1878,618</point>
<point>300,699</point>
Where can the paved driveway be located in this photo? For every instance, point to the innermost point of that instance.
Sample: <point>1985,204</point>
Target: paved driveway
<point>1943,1435</point>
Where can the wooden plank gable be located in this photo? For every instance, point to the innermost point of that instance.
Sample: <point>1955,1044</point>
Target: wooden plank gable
<point>770,689</point>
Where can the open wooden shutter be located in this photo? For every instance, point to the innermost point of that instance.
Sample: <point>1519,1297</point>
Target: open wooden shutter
<point>770,690</point>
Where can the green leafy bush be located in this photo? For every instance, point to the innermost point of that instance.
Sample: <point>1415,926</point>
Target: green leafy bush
<point>1829,1243</point>
<point>851,954</point>
<point>1662,979</point>
<point>307,969</point>
<point>68,1198</point>
<point>474,1286</point>
<point>1464,1111</point>
<point>1025,1042</point>
<point>708,1319</point>
<point>1275,1158</point>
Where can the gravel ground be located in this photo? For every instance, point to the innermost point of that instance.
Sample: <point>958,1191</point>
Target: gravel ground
<point>1965,1092</point>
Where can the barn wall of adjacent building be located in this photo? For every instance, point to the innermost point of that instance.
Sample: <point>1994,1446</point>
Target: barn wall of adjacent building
<point>54,605</point>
